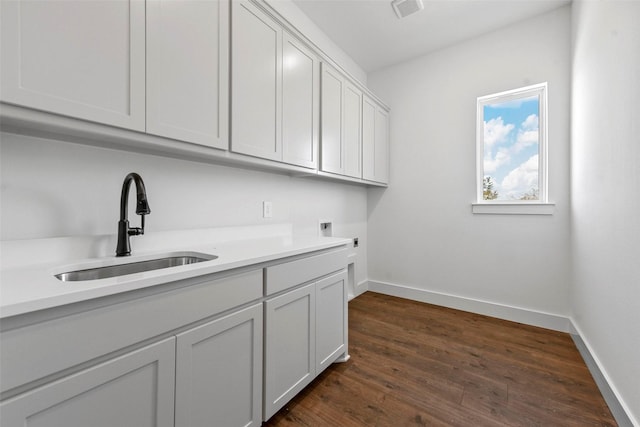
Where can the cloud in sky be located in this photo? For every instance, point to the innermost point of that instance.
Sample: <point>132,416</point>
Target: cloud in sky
<point>530,123</point>
<point>491,164</point>
<point>521,179</point>
<point>496,132</point>
<point>527,134</point>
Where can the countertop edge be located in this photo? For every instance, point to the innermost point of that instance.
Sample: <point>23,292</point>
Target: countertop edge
<point>111,287</point>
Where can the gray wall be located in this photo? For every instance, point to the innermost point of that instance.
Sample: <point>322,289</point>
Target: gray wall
<point>422,233</point>
<point>605,183</point>
<point>56,189</point>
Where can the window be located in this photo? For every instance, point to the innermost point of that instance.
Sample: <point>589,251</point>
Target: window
<point>512,150</point>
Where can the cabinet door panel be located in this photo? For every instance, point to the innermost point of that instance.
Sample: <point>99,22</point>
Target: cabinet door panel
<point>351,130</point>
<point>382,146</point>
<point>219,372</point>
<point>375,142</point>
<point>80,58</point>
<point>134,390</point>
<point>256,75</point>
<point>300,102</point>
<point>290,346</point>
<point>187,70</point>
<point>368,139</point>
<point>331,319</point>
<point>331,146</point>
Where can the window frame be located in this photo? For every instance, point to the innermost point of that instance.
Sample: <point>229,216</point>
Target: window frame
<point>540,206</point>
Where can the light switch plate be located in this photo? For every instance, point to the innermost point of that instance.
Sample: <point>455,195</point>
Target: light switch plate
<point>267,209</point>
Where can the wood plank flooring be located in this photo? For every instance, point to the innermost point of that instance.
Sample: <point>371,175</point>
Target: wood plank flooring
<point>415,364</point>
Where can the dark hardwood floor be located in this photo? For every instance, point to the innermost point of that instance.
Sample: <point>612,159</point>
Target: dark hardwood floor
<point>415,364</point>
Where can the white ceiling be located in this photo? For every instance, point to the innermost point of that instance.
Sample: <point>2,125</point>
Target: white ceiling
<point>371,34</point>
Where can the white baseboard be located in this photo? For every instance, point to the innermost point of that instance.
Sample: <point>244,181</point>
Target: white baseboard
<point>619,409</point>
<point>501,311</point>
<point>361,287</point>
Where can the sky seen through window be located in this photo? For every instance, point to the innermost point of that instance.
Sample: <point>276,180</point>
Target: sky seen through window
<point>511,149</point>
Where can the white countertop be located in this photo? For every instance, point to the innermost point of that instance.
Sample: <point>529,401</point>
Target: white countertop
<point>32,287</point>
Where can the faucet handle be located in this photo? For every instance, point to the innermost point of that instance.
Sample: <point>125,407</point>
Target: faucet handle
<point>137,231</point>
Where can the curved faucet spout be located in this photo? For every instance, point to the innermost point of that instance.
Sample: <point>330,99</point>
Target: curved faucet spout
<point>142,208</point>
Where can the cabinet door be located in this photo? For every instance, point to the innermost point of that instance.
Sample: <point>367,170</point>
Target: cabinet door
<point>133,390</point>
<point>79,58</point>
<point>219,372</point>
<point>289,346</point>
<point>300,104</point>
<point>351,130</point>
<point>256,44</point>
<point>188,70</point>
<point>331,319</point>
<point>331,148</point>
<point>382,146</point>
<point>368,138</point>
<point>375,142</point>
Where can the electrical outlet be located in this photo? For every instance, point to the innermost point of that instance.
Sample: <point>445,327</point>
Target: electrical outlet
<point>267,209</point>
<point>326,228</point>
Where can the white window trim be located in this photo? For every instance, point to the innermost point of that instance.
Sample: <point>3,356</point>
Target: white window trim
<point>521,208</point>
<point>518,207</point>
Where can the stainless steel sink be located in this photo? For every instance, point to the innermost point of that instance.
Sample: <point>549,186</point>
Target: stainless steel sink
<point>132,267</point>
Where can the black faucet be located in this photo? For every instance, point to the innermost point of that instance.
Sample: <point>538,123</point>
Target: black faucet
<point>142,208</point>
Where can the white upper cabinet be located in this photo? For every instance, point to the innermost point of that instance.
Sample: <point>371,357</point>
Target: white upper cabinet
<point>275,81</point>
<point>79,58</point>
<point>227,74</point>
<point>188,70</point>
<point>352,130</point>
<point>341,124</point>
<point>256,82</point>
<point>375,141</point>
<point>331,148</point>
<point>300,103</point>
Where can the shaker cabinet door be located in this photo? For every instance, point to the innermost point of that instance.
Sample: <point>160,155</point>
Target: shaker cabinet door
<point>134,390</point>
<point>290,346</point>
<point>331,147</point>
<point>79,58</point>
<point>188,70</point>
<point>219,372</point>
<point>300,104</point>
<point>256,43</point>
<point>352,131</point>
<point>331,319</point>
<point>375,142</point>
<point>382,146</point>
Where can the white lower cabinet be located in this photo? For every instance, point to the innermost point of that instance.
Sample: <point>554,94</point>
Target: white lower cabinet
<point>133,390</point>
<point>331,320</point>
<point>229,351</point>
<point>305,331</point>
<point>290,346</point>
<point>219,372</point>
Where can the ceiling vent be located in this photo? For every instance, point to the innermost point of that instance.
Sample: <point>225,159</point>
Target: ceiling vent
<point>404,8</point>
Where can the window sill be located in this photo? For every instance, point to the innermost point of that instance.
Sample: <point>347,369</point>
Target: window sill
<point>514,208</point>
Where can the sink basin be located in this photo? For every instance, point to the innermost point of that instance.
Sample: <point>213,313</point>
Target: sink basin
<point>133,267</point>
